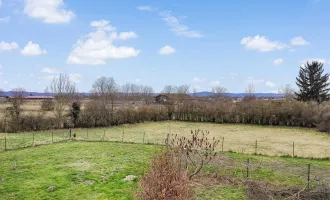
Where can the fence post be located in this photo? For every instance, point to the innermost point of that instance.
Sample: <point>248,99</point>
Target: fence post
<point>293,149</point>
<point>103,134</point>
<point>52,137</point>
<point>122,139</point>
<point>247,168</point>
<point>308,175</point>
<point>223,140</point>
<point>5,143</point>
<point>70,133</point>
<point>256,147</point>
<point>144,134</point>
<point>32,138</point>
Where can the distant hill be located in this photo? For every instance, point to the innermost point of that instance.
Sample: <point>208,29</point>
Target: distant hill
<point>199,94</point>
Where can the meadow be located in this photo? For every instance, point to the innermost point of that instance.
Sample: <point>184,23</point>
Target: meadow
<point>248,139</point>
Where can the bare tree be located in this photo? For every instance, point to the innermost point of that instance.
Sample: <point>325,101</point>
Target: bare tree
<point>219,92</point>
<point>1,92</point>
<point>169,89</point>
<point>17,100</point>
<point>64,90</point>
<point>250,90</point>
<point>106,90</point>
<point>287,91</point>
<point>147,94</point>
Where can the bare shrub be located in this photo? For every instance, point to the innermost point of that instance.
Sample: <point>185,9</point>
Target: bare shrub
<point>195,152</point>
<point>47,105</point>
<point>165,180</point>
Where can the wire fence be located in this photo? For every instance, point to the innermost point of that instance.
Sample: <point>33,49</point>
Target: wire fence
<point>12,141</point>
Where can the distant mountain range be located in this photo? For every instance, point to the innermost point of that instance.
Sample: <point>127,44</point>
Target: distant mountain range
<point>199,94</point>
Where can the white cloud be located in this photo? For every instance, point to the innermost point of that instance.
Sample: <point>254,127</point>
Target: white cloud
<point>177,27</point>
<point>75,78</point>
<point>123,35</point>
<point>166,50</point>
<point>103,25</point>
<point>50,11</point>
<point>197,79</point>
<point>270,84</point>
<point>1,73</point>
<point>299,41</point>
<point>5,19</point>
<point>278,61</point>
<point>32,49</point>
<point>214,83</point>
<point>5,82</point>
<point>4,46</point>
<point>138,80</point>
<point>262,44</point>
<point>49,70</point>
<point>99,47</point>
<point>145,8</point>
<point>0,3</point>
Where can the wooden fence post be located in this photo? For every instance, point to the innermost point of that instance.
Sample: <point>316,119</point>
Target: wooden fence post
<point>144,134</point>
<point>293,149</point>
<point>256,151</point>
<point>308,175</point>
<point>70,133</point>
<point>247,168</point>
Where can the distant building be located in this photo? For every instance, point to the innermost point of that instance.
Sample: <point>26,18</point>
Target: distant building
<point>161,98</point>
<point>33,98</point>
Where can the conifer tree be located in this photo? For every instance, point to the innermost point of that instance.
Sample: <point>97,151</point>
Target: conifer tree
<point>313,85</point>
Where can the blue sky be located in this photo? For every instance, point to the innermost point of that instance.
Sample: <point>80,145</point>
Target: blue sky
<point>200,43</point>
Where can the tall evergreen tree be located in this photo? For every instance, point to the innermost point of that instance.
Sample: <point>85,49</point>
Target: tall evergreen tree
<point>313,85</point>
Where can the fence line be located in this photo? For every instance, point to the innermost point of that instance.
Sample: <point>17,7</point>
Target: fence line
<point>21,140</point>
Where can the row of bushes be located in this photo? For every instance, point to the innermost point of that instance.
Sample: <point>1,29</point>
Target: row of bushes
<point>94,114</point>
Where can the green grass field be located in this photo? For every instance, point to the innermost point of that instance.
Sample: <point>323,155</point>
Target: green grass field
<point>68,166</point>
<point>237,138</point>
<point>72,166</point>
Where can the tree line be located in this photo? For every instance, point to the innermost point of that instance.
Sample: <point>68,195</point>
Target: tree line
<point>110,104</point>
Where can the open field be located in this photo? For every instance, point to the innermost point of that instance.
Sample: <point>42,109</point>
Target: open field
<point>237,138</point>
<point>94,170</point>
<point>78,170</point>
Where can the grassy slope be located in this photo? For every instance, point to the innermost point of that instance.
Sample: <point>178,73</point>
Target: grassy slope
<point>238,138</point>
<point>68,166</point>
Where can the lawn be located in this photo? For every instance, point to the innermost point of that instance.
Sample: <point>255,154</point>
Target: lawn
<point>95,170</point>
<point>238,138</point>
<point>78,170</point>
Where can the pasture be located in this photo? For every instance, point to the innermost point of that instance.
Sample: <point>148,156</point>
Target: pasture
<point>246,139</point>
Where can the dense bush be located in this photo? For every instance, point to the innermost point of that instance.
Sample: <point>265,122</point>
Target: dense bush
<point>165,180</point>
<point>47,105</point>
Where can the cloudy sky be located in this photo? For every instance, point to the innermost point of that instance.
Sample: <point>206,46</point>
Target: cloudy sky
<point>200,43</point>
